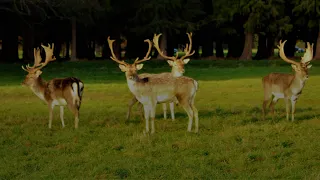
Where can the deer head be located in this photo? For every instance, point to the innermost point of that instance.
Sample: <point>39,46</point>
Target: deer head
<point>300,68</point>
<point>35,71</point>
<point>175,62</point>
<point>130,69</point>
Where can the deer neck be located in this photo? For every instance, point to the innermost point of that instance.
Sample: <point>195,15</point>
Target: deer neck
<point>176,73</point>
<point>38,88</point>
<point>297,84</point>
<point>133,84</point>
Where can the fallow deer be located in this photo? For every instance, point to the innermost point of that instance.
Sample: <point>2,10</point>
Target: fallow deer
<point>60,92</point>
<point>287,86</point>
<point>158,88</point>
<point>177,70</point>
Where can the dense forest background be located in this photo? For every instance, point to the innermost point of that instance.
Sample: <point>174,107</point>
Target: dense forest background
<point>222,29</point>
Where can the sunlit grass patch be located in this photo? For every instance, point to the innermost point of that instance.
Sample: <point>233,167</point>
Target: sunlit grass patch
<point>233,141</point>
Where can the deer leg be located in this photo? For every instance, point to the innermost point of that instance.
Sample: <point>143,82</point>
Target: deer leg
<point>186,106</point>
<point>195,114</point>
<point>130,104</point>
<point>50,106</point>
<point>153,115</point>
<point>293,107</point>
<point>287,107</point>
<point>172,110</point>
<point>267,96</point>
<point>75,112</point>
<point>61,115</point>
<point>272,104</point>
<point>146,116</point>
<point>140,107</point>
<point>164,107</point>
<point>264,105</point>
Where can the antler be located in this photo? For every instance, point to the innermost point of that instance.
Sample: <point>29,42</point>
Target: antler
<point>147,57</point>
<point>37,60</point>
<point>49,54</point>
<point>282,54</point>
<point>188,48</point>
<point>113,56</point>
<point>308,55</point>
<point>156,45</point>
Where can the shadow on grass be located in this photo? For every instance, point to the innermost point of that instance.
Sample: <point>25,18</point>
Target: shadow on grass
<point>107,71</point>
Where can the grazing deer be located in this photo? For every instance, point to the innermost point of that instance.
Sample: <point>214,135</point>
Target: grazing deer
<point>158,88</point>
<point>287,86</point>
<point>61,92</point>
<point>177,70</point>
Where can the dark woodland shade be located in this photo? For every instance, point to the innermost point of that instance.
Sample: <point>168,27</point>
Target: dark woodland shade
<point>216,25</point>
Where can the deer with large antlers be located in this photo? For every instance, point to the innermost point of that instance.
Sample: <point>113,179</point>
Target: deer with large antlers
<point>177,70</point>
<point>158,88</point>
<point>61,92</point>
<point>287,86</point>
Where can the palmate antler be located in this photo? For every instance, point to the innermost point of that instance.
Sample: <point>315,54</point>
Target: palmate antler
<point>308,55</point>
<point>283,55</point>
<point>37,58</point>
<point>305,59</point>
<point>137,61</point>
<point>187,49</point>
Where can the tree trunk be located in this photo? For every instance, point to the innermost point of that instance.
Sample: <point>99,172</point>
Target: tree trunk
<point>163,45</point>
<point>57,49</point>
<point>195,46</point>
<point>28,43</point>
<point>135,47</point>
<point>317,53</point>
<point>67,50</point>
<point>74,39</point>
<point>247,49</point>
<point>9,46</point>
<point>289,47</point>
<point>235,45</point>
<point>219,49</point>
<point>265,47</point>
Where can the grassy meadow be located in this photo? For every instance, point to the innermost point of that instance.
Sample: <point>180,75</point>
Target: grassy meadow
<point>233,141</point>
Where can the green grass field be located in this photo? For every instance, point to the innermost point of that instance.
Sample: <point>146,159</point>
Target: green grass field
<point>233,141</point>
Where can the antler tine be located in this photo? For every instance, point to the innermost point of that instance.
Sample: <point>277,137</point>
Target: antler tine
<point>113,56</point>
<point>283,55</point>
<point>308,55</point>
<point>156,45</point>
<point>49,54</point>
<point>37,57</point>
<point>37,60</point>
<point>146,57</point>
<point>188,48</point>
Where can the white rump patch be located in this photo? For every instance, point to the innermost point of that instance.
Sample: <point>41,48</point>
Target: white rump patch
<point>81,87</point>
<point>74,92</point>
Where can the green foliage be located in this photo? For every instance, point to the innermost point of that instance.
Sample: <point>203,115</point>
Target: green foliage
<point>170,15</point>
<point>233,142</point>
<point>307,12</point>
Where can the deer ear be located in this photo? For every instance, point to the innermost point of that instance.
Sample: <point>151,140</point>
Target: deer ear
<point>38,73</point>
<point>185,61</point>
<point>123,67</point>
<point>309,66</point>
<point>139,66</point>
<point>294,66</point>
<point>170,62</point>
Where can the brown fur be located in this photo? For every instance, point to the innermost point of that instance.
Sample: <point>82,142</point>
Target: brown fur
<point>160,88</point>
<point>58,91</point>
<point>286,86</point>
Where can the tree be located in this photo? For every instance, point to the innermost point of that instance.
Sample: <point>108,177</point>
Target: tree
<point>307,13</point>
<point>166,17</point>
